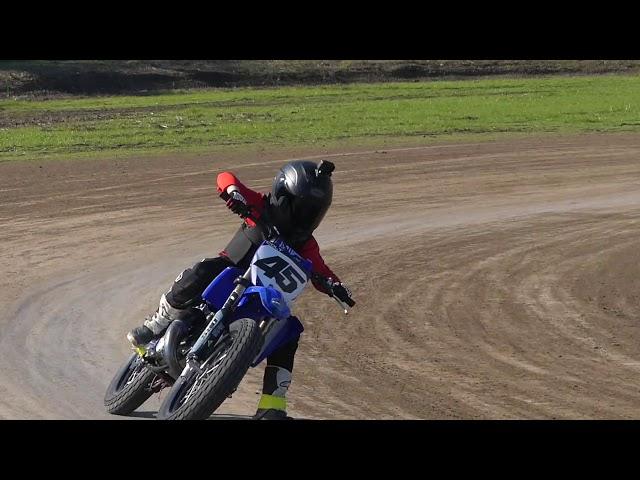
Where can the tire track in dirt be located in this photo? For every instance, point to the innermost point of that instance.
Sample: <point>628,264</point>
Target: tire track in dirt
<point>493,280</point>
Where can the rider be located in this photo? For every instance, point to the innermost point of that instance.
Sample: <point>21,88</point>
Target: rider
<point>300,196</point>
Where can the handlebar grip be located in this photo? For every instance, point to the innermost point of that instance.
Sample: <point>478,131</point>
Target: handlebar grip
<point>247,213</point>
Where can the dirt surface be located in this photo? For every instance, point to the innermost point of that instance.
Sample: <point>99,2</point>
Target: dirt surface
<point>493,280</point>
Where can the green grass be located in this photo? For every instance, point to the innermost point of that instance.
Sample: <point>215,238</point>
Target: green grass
<point>298,116</point>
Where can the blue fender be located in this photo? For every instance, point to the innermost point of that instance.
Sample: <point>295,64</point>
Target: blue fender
<point>271,299</point>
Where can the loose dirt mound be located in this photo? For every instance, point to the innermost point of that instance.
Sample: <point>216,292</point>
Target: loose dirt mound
<point>493,280</point>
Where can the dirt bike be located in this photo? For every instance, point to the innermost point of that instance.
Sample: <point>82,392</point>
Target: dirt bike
<point>204,354</point>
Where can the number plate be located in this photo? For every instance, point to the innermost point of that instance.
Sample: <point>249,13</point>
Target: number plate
<point>273,267</point>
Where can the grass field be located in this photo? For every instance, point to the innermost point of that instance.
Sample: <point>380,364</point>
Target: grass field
<point>200,120</point>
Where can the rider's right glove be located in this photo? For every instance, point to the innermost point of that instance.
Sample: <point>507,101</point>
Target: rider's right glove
<point>343,293</point>
<point>237,203</point>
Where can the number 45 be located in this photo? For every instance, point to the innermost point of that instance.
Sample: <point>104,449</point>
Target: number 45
<point>281,271</point>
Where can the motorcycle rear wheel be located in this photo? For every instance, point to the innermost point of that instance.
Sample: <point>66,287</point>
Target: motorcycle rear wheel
<point>130,387</point>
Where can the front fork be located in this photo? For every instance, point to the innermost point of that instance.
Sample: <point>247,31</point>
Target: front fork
<point>214,328</point>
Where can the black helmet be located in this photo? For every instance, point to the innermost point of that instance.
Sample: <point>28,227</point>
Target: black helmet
<point>300,197</point>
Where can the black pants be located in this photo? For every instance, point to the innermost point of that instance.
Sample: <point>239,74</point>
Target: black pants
<point>187,290</point>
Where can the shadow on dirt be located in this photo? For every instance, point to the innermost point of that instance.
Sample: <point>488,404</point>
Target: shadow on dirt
<point>215,416</point>
<point>143,414</point>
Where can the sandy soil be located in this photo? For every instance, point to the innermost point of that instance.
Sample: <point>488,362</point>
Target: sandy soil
<point>493,280</point>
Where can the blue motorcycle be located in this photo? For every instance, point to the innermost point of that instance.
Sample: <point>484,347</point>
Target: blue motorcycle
<point>204,355</point>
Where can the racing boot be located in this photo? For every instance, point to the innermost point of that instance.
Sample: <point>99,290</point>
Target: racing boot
<point>155,325</point>
<point>273,402</point>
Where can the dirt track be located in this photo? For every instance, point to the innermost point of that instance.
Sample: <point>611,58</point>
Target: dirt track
<point>493,280</point>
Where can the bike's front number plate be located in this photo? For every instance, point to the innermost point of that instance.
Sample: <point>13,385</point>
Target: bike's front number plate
<point>271,267</point>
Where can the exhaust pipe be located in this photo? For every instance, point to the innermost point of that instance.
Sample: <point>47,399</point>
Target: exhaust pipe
<point>175,333</point>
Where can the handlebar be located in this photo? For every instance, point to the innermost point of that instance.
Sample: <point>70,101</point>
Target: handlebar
<point>268,230</point>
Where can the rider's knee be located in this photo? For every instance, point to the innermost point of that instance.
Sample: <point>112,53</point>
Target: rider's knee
<point>190,284</point>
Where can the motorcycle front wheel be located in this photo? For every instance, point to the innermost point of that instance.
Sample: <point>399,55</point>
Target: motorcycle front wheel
<point>197,394</point>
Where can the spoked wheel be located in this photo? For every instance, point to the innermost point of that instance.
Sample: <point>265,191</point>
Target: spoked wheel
<point>130,387</point>
<point>197,394</point>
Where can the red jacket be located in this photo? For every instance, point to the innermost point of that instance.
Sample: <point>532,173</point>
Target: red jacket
<point>309,250</point>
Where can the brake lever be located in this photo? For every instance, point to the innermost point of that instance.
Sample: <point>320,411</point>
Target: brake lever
<point>342,304</point>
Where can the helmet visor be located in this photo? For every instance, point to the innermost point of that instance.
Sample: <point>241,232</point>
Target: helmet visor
<point>307,215</point>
